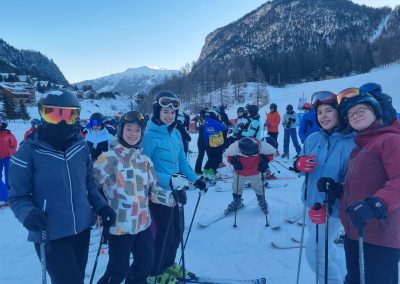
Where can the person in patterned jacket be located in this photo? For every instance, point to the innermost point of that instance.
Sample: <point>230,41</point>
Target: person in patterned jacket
<point>129,181</point>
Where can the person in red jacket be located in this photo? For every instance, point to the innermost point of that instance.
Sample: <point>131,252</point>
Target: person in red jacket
<point>8,146</point>
<point>35,123</point>
<point>370,202</point>
<point>249,158</point>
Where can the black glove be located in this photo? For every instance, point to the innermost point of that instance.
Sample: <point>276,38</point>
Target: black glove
<point>201,185</point>
<point>180,196</point>
<point>333,189</point>
<point>361,211</point>
<point>108,217</point>
<point>237,165</point>
<point>263,165</point>
<point>292,119</point>
<point>36,220</point>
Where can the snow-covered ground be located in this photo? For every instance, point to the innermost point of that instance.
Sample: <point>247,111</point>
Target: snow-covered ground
<point>219,250</point>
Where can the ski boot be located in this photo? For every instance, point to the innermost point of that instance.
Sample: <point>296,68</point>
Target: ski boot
<point>164,278</point>
<point>175,270</point>
<point>235,204</point>
<point>262,203</point>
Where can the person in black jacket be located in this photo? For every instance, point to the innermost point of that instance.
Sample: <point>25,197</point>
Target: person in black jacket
<point>180,125</point>
<point>201,144</point>
<point>53,193</point>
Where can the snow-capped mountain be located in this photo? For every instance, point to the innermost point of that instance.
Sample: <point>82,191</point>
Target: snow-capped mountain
<point>132,81</point>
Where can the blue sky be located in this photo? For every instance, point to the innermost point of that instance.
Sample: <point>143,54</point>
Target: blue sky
<point>88,39</point>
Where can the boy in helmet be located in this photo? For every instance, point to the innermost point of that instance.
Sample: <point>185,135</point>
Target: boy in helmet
<point>253,129</point>
<point>289,125</point>
<point>248,157</point>
<point>53,193</point>
<point>8,146</point>
<point>98,137</point>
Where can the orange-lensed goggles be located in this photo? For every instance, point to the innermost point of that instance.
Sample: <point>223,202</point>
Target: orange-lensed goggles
<point>347,94</point>
<point>169,102</point>
<point>55,114</point>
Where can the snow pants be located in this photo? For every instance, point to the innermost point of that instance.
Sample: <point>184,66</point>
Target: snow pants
<point>256,183</point>
<point>120,248</point>
<point>274,135</point>
<point>199,161</point>
<point>381,263</point>
<point>290,133</point>
<point>214,155</point>
<point>66,258</point>
<point>336,263</point>
<point>161,215</point>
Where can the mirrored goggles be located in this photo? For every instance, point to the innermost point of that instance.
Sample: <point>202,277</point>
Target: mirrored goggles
<point>169,102</point>
<point>348,94</point>
<point>134,116</point>
<point>55,114</point>
<point>96,122</point>
<point>323,97</point>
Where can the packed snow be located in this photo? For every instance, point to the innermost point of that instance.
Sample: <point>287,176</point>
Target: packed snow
<point>220,250</point>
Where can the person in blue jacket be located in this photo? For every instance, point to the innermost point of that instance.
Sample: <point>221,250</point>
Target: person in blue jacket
<point>162,143</point>
<point>308,122</point>
<point>322,158</point>
<point>53,189</point>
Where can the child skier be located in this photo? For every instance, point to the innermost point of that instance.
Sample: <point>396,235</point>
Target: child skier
<point>249,160</point>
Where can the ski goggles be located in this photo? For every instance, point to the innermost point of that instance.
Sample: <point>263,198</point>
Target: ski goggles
<point>55,114</point>
<point>169,102</point>
<point>323,97</point>
<point>347,94</point>
<point>96,122</point>
<point>134,117</point>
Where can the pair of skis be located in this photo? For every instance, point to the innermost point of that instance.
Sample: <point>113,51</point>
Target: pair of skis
<point>210,280</point>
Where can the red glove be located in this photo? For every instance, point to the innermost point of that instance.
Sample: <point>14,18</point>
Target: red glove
<point>305,164</point>
<point>317,214</point>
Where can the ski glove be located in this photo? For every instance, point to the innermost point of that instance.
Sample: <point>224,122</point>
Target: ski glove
<point>317,214</point>
<point>305,164</point>
<point>361,211</point>
<point>36,220</point>
<point>201,185</point>
<point>333,189</point>
<point>263,165</point>
<point>237,165</point>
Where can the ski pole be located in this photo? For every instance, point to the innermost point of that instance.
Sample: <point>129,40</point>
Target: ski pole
<point>327,212</point>
<point>236,205</point>
<point>181,224</point>
<point>290,169</point>
<point>191,223</point>
<point>43,239</point>
<point>302,230</point>
<point>278,171</point>
<point>266,212</point>
<point>361,255</point>
<point>97,258</point>
<point>317,206</point>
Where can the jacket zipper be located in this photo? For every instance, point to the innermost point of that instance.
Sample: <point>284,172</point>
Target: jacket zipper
<point>70,188</point>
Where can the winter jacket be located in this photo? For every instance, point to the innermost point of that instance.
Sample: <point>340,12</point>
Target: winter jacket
<point>39,173</point>
<point>332,153</point>
<point>185,136</point>
<point>308,125</point>
<point>98,141</point>
<point>249,163</point>
<point>128,180</point>
<point>163,146</point>
<point>29,131</point>
<point>8,144</point>
<point>272,121</point>
<point>289,120</point>
<point>253,130</point>
<point>373,170</point>
<point>213,132</point>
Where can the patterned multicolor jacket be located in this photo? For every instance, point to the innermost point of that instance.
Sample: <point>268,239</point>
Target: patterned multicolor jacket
<point>128,180</point>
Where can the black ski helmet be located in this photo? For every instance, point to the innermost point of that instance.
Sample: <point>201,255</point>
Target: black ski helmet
<point>253,110</point>
<point>214,113</point>
<point>58,98</point>
<point>273,106</point>
<point>248,146</point>
<point>97,116</point>
<point>157,106</point>
<point>132,116</point>
<point>289,108</point>
<point>362,98</point>
<point>240,109</point>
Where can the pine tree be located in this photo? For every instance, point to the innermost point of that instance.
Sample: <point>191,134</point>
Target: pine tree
<point>23,111</point>
<point>9,107</point>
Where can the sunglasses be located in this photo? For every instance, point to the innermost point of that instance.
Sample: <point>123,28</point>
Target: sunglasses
<point>169,102</point>
<point>323,97</point>
<point>347,94</point>
<point>134,116</point>
<point>54,114</point>
<point>96,122</point>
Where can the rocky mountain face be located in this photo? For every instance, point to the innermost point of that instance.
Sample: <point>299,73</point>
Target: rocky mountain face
<point>132,81</point>
<point>29,62</point>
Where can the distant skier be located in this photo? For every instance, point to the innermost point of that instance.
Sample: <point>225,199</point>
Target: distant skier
<point>180,125</point>
<point>272,122</point>
<point>34,125</point>
<point>289,125</point>
<point>98,137</point>
<point>254,128</point>
<point>53,190</point>
<point>308,123</point>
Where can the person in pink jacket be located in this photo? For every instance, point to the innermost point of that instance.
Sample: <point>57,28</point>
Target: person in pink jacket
<point>370,201</point>
<point>8,146</point>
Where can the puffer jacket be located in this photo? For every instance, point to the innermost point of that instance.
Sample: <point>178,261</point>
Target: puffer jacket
<point>8,144</point>
<point>128,180</point>
<point>308,125</point>
<point>164,147</point>
<point>332,153</point>
<point>373,170</point>
<point>253,130</point>
<point>272,121</point>
<point>63,180</point>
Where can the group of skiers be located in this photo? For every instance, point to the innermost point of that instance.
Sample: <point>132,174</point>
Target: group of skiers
<point>136,181</point>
